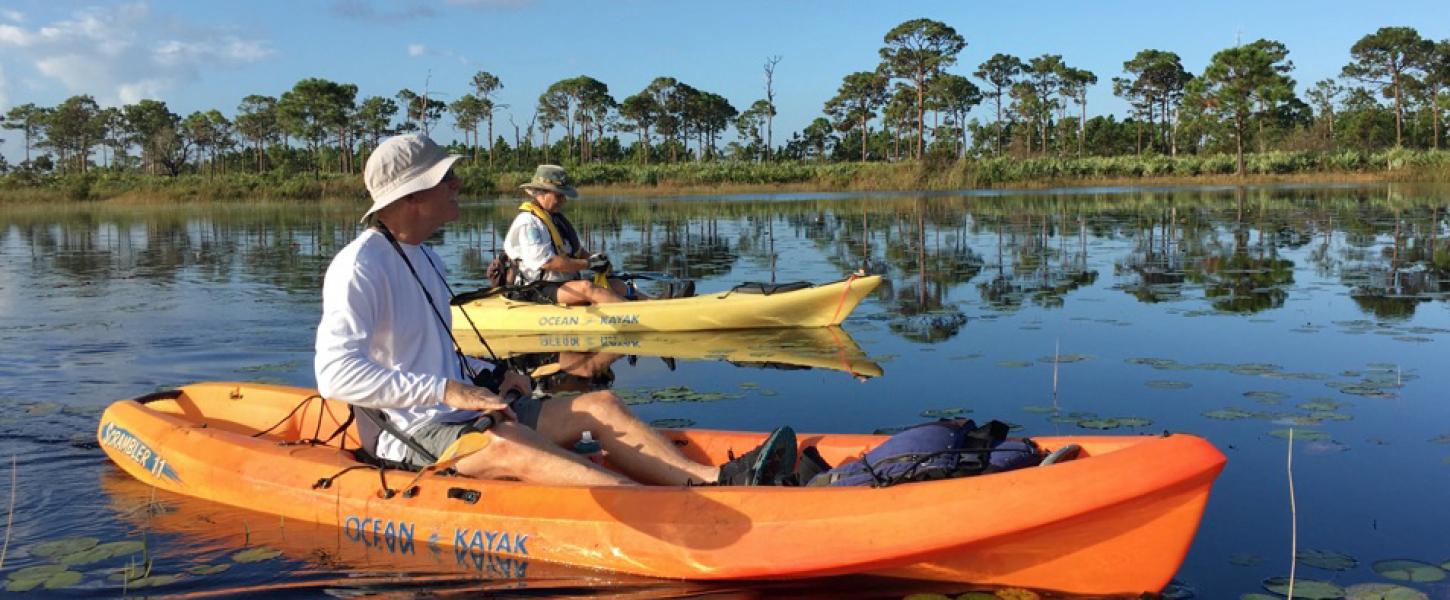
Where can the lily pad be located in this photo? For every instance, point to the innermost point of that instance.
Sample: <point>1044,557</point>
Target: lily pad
<point>939,413</point>
<point>1409,570</point>
<point>85,557</point>
<point>671,423</point>
<point>1382,591</point>
<point>1157,363</point>
<point>1308,589</point>
<point>1258,596</point>
<point>1327,560</point>
<point>977,596</point>
<point>1301,435</point>
<point>1321,404</point>
<point>62,580</point>
<point>207,569</point>
<point>258,554</point>
<point>1014,364</point>
<point>1166,384</point>
<point>152,581</point>
<point>1101,424</point>
<point>1065,358</point>
<point>123,547</point>
<point>54,548</point>
<point>1039,410</point>
<point>42,409</point>
<point>1228,414</point>
<point>1244,559</point>
<point>748,385</point>
<point>1263,396</point>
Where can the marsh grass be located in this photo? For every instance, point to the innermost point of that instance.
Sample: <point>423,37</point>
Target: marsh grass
<point>739,176</point>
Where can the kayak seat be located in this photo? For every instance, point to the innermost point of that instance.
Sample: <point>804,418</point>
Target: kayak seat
<point>766,289</point>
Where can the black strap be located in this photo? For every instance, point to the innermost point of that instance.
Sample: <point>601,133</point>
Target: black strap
<point>377,418</point>
<point>432,305</point>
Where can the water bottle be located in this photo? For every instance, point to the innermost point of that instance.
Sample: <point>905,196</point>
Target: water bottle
<point>588,447</point>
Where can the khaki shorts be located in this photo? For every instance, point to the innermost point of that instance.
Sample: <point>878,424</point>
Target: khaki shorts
<point>436,437</point>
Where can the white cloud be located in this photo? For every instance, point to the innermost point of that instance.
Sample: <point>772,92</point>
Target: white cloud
<point>416,50</point>
<point>13,15</point>
<point>4,99</point>
<point>125,53</point>
<point>490,4</point>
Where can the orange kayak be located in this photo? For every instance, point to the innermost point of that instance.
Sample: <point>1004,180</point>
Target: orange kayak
<point>1117,520</point>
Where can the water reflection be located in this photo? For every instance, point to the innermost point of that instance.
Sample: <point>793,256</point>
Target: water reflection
<point>829,348</point>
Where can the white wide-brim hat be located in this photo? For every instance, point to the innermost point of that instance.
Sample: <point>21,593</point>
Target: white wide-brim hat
<point>402,165</point>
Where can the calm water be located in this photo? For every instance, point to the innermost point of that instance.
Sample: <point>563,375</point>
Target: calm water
<point>1233,314</point>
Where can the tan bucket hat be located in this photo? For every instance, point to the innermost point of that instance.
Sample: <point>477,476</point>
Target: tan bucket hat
<point>552,178</point>
<point>403,165</point>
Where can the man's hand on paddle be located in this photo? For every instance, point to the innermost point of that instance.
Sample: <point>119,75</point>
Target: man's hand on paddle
<point>467,397</point>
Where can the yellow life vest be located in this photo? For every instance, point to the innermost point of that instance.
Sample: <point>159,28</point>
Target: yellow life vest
<point>600,279</point>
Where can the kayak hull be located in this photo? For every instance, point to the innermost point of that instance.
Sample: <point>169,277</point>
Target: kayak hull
<point>1117,521</point>
<point>818,306</point>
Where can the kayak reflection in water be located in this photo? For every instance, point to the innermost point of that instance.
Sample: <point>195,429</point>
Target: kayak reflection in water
<point>385,343</point>
<point>546,249</point>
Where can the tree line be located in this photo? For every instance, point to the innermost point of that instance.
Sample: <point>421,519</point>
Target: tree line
<point>909,106</point>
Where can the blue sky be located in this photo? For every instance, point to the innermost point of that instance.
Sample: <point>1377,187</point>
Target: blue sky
<point>203,54</point>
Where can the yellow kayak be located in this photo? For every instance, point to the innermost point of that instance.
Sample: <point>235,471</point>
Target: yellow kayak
<point>815,306</point>
<point>816,347</point>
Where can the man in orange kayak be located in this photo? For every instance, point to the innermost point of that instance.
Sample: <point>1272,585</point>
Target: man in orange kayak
<point>547,249</point>
<point>385,343</point>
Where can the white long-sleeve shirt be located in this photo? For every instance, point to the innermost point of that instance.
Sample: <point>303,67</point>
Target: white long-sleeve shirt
<point>379,345</point>
<point>528,241</point>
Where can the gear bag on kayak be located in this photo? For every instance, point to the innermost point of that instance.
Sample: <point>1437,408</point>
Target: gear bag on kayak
<point>938,450</point>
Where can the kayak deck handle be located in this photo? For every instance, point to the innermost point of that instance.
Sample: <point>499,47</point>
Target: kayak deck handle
<point>464,494</point>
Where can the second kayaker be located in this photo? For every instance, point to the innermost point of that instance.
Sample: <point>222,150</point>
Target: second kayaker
<point>546,249</point>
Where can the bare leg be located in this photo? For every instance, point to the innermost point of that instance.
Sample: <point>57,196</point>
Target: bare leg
<point>580,292</point>
<point>521,453</point>
<point>632,446</point>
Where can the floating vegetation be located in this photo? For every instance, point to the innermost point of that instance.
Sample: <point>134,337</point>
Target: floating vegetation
<point>258,554</point>
<point>1301,435</point>
<point>207,569</point>
<point>50,576</point>
<point>1256,369</point>
<point>42,409</point>
<point>1325,447</point>
<point>1038,409</point>
<point>680,393</point>
<point>965,356</point>
<point>1366,391</point>
<point>1157,363</point>
<point>749,385</point>
<point>1409,570</point>
<point>1113,422</point>
<point>768,392</point>
<point>61,547</point>
<point>944,413</point>
<point>1167,384</point>
<point>671,423</point>
<point>1322,404</point>
<point>151,581</point>
<point>1327,560</point>
<point>1443,438</point>
<point>1382,591</point>
<point>1065,358</point>
<point>1329,415</point>
<point>1244,559</point>
<point>1267,397</point>
<point>1413,339</point>
<point>1308,589</point>
<point>1014,364</point>
<point>1228,414</point>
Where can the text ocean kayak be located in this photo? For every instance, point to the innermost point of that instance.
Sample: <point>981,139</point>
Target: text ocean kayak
<point>1118,520</point>
<point>817,306</point>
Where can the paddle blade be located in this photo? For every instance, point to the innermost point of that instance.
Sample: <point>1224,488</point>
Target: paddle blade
<point>461,448</point>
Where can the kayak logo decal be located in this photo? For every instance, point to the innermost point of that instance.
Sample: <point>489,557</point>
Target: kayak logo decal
<point>619,319</point>
<point>396,536</point>
<point>548,321</point>
<point>132,447</point>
